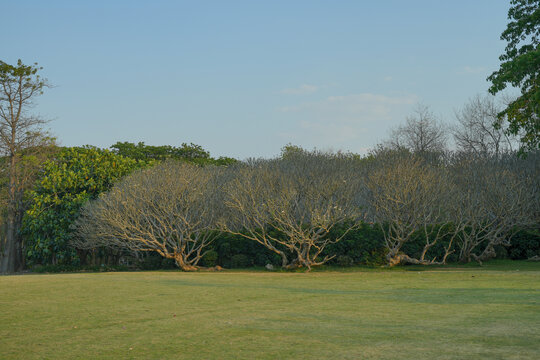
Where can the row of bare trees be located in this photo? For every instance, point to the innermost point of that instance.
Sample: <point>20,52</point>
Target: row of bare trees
<point>290,206</point>
<point>467,203</point>
<point>474,203</point>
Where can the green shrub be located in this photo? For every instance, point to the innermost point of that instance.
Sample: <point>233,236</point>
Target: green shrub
<point>525,244</point>
<point>364,245</point>
<point>377,257</point>
<point>210,258</point>
<point>154,261</point>
<point>62,268</point>
<point>227,245</point>
<point>240,261</point>
<point>344,260</point>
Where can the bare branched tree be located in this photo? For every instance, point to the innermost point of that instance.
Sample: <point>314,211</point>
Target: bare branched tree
<point>408,195</point>
<point>421,133</point>
<point>476,130</point>
<point>291,204</point>
<point>20,131</point>
<point>169,209</point>
<point>496,197</point>
<point>27,169</point>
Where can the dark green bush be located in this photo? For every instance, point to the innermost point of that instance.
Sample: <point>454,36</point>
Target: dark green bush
<point>240,261</point>
<point>344,260</point>
<point>501,252</point>
<point>227,246</point>
<point>210,258</point>
<point>365,246</point>
<point>154,261</point>
<point>525,244</point>
<point>62,268</point>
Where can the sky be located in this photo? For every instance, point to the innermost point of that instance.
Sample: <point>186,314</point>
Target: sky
<point>245,78</point>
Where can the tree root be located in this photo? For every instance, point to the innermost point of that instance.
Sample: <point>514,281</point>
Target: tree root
<point>406,259</point>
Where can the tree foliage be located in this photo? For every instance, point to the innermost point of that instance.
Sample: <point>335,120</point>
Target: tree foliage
<point>74,176</point>
<point>187,152</point>
<point>520,68</point>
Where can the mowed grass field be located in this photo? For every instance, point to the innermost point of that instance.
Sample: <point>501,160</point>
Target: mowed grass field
<point>490,312</point>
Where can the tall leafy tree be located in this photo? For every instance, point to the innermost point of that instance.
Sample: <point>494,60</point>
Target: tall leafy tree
<point>520,68</point>
<point>20,132</point>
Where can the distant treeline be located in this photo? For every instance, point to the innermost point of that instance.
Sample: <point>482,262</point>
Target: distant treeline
<point>158,207</point>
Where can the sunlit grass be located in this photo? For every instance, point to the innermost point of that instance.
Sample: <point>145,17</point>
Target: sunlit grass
<point>459,312</point>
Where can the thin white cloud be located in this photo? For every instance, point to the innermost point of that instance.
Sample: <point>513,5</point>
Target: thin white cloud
<point>387,78</point>
<point>301,90</point>
<point>350,122</point>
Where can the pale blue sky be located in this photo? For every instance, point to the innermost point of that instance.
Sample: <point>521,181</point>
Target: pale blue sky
<point>244,78</point>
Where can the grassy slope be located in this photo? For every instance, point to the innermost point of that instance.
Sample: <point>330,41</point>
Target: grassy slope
<point>491,312</point>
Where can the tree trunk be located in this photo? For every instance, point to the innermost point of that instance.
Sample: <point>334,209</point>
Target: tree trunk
<point>10,260</point>
<point>182,264</point>
<point>405,259</point>
<point>82,256</point>
<point>9,254</point>
<point>284,260</point>
<point>488,254</point>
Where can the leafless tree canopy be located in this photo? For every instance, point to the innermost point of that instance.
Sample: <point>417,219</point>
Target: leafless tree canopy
<point>291,204</point>
<point>421,133</point>
<point>496,197</point>
<point>476,131</point>
<point>409,194</point>
<point>168,209</point>
<point>474,201</point>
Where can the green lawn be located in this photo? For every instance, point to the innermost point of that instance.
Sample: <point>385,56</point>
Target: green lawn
<point>491,312</point>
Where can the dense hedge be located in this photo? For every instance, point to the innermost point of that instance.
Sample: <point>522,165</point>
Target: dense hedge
<point>363,246</point>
